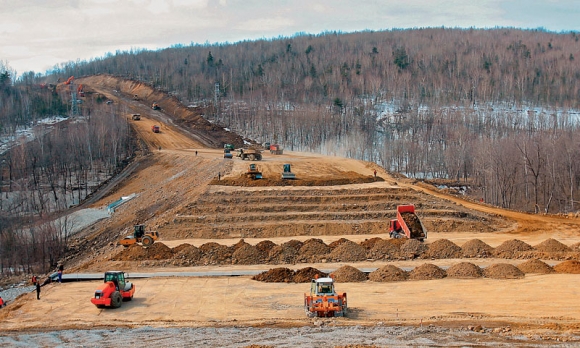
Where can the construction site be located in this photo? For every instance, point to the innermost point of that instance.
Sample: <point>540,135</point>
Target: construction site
<point>227,252</point>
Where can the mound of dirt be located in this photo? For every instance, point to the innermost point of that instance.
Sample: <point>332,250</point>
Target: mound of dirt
<point>187,253</point>
<point>348,251</point>
<point>570,266</point>
<point>535,266</point>
<point>345,178</point>
<point>305,275</point>
<point>247,255</point>
<point>510,249</point>
<point>296,244</point>
<point>313,250</point>
<point>276,275</point>
<point>388,273</point>
<point>552,245</point>
<point>412,248</point>
<point>464,270</point>
<point>282,254</point>
<point>238,245</point>
<point>370,243</point>
<point>349,274</point>
<point>388,249</point>
<point>427,271</point>
<point>265,246</point>
<point>215,254</point>
<point>413,223</point>
<point>443,249</point>
<point>337,243</point>
<point>157,251</point>
<point>575,247</point>
<point>476,248</point>
<point>502,271</point>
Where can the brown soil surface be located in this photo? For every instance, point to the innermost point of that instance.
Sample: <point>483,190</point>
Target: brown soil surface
<point>265,246</point>
<point>188,254</point>
<point>248,255</point>
<point>552,245</point>
<point>388,273</point>
<point>427,271</point>
<point>412,248</point>
<point>283,254</point>
<point>215,254</point>
<point>276,275</point>
<point>348,251</point>
<point>386,249</point>
<point>348,274</point>
<point>476,248</point>
<point>370,243</point>
<point>313,250</point>
<point>535,266</point>
<point>337,243</point>
<point>464,270</point>
<point>502,271</point>
<point>571,266</point>
<point>414,224</point>
<point>305,275</point>
<point>157,251</point>
<point>510,249</point>
<point>443,249</point>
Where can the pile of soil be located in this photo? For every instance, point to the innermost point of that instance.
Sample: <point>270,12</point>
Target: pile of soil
<point>238,245</point>
<point>443,249</point>
<point>215,254</point>
<point>305,275</point>
<point>412,248</point>
<point>413,223</point>
<point>336,243</point>
<point>535,266</point>
<point>348,274</point>
<point>296,244</point>
<point>348,251</point>
<point>464,270</point>
<point>313,250</point>
<point>570,266</point>
<point>502,271</point>
<point>476,248</point>
<point>575,247</point>
<point>427,271</point>
<point>187,253</point>
<point>370,243</point>
<point>388,249</point>
<point>283,254</point>
<point>157,251</point>
<point>388,273</point>
<point>511,248</point>
<point>247,255</point>
<point>276,275</point>
<point>265,246</point>
<point>552,245</point>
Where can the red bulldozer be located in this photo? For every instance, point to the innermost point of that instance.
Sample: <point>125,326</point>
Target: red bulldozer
<point>113,291</point>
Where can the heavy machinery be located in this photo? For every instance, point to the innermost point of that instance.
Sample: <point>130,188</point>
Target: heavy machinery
<point>81,90</point>
<point>323,301</point>
<point>155,106</point>
<point>155,128</point>
<point>407,224</point>
<point>114,290</point>
<point>136,117</point>
<point>276,149</point>
<point>251,154</point>
<point>228,154</point>
<point>69,80</point>
<point>136,97</point>
<point>287,173</point>
<point>140,236</point>
<point>253,172</point>
<point>229,147</point>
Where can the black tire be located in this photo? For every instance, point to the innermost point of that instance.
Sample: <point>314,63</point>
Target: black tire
<point>147,241</point>
<point>100,306</point>
<point>259,157</point>
<point>252,157</point>
<point>116,299</point>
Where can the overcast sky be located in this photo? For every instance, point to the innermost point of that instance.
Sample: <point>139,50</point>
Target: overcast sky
<point>37,34</point>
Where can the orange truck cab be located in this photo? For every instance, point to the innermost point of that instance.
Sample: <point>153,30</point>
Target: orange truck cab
<point>114,290</point>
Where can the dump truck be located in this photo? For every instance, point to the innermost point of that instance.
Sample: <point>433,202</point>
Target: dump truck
<point>253,172</point>
<point>136,117</point>
<point>276,149</point>
<point>140,236</point>
<point>155,128</point>
<point>251,154</point>
<point>155,106</point>
<point>323,301</point>
<point>287,173</point>
<point>407,224</point>
<point>114,291</point>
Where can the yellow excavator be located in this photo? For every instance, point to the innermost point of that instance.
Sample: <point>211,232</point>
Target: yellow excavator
<point>140,236</point>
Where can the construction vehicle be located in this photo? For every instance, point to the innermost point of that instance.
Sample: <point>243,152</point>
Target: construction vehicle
<point>267,146</point>
<point>81,91</point>
<point>155,128</point>
<point>276,149</point>
<point>287,173</point>
<point>114,290</point>
<point>139,235</point>
<point>229,147</point>
<point>251,154</point>
<point>155,106</point>
<point>136,117</point>
<point>253,172</point>
<point>407,224</point>
<point>323,301</point>
<point>228,154</point>
<point>69,80</point>
<point>136,97</point>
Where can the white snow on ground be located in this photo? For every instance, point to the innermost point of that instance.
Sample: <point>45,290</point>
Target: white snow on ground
<point>27,134</point>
